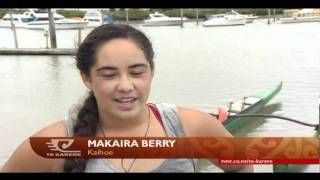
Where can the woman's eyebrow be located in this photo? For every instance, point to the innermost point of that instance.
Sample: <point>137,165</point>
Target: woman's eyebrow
<point>112,68</point>
<point>138,65</point>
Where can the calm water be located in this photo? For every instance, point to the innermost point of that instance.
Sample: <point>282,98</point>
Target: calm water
<point>196,67</point>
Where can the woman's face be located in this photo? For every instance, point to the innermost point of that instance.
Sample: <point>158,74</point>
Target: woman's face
<point>120,79</point>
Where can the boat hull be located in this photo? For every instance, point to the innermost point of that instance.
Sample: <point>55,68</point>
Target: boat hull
<point>300,20</point>
<point>257,102</point>
<point>225,20</point>
<point>94,24</point>
<point>58,25</point>
<point>234,124</point>
<point>222,22</point>
<point>7,24</point>
<point>162,23</point>
<point>284,168</point>
<point>250,19</point>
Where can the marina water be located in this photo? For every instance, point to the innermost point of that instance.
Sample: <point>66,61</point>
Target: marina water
<point>196,67</point>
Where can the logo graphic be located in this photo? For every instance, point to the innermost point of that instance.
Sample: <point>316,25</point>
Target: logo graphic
<point>54,145</point>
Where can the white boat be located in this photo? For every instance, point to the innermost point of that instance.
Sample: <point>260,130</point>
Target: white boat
<point>249,17</point>
<point>94,18</point>
<point>41,21</point>
<point>300,19</point>
<point>159,19</point>
<point>303,15</point>
<point>19,20</point>
<point>229,19</point>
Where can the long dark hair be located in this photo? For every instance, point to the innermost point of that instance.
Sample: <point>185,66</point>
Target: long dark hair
<point>88,116</point>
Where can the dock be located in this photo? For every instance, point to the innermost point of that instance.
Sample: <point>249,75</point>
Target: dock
<point>37,51</point>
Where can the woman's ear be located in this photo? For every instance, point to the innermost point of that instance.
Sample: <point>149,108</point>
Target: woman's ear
<point>86,80</point>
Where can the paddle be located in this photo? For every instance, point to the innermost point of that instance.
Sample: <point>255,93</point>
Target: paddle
<point>270,116</point>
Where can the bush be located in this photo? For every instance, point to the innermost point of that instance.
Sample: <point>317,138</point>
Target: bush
<point>134,14</point>
<point>71,13</point>
<point>2,13</point>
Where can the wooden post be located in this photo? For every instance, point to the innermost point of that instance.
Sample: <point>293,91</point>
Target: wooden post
<point>197,15</point>
<point>268,16</point>
<point>181,15</point>
<point>127,16</point>
<point>79,37</point>
<point>102,17</point>
<point>13,27</point>
<point>46,34</point>
<point>52,30</point>
<point>274,15</point>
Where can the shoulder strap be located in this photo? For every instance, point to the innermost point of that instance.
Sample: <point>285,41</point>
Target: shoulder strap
<point>156,113</point>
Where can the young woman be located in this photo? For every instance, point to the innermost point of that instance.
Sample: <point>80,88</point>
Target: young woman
<point>116,65</point>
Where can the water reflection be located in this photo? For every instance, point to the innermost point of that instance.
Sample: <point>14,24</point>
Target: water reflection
<point>196,67</point>
<point>256,122</point>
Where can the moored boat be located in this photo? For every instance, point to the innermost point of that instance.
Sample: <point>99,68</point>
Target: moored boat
<point>248,105</point>
<point>94,18</point>
<point>19,20</point>
<point>301,16</point>
<point>41,21</point>
<point>300,19</point>
<point>249,17</point>
<point>229,19</point>
<point>159,19</point>
<point>285,168</point>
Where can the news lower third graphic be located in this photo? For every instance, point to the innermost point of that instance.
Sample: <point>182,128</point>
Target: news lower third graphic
<point>228,150</point>
<point>56,150</point>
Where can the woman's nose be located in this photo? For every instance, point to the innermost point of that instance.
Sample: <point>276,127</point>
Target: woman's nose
<point>125,84</point>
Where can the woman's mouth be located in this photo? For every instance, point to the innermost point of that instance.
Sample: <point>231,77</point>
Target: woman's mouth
<point>125,103</point>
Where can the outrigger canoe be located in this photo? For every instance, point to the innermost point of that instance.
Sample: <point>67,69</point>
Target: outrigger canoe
<point>295,167</point>
<point>248,105</point>
<point>282,168</point>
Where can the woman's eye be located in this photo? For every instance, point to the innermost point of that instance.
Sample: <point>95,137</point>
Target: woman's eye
<point>136,73</point>
<point>108,75</point>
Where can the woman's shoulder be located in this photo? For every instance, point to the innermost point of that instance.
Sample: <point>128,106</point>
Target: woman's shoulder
<point>24,159</point>
<point>188,116</point>
<point>200,123</point>
<point>55,129</point>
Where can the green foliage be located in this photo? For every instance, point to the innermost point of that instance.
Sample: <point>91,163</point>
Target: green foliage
<point>2,13</point>
<point>134,14</point>
<point>71,13</point>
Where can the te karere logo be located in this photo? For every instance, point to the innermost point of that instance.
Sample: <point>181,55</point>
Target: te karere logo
<point>62,145</point>
<point>55,147</point>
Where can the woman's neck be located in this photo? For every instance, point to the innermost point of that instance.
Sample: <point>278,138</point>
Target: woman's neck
<point>117,125</point>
